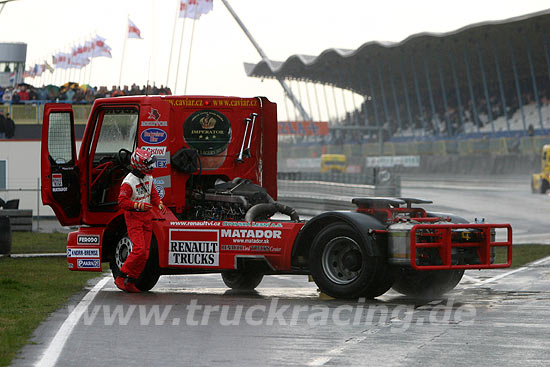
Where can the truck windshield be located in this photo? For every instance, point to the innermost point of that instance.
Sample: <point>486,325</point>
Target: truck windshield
<point>118,130</point>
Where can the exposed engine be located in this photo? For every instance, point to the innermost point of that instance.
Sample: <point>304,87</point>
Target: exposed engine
<point>239,199</point>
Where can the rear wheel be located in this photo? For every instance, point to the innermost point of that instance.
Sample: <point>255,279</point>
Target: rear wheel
<point>242,280</point>
<point>425,283</point>
<point>341,266</point>
<point>150,274</point>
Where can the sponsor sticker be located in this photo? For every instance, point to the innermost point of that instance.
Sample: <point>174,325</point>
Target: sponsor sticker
<point>83,252</point>
<point>252,233</point>
<point>154,114</point>
<point>159,185</point>
<point>57,180</point>
<point>88,239</point>
<point>208,131</point>
<point>155,150</point>
<point>153,135</point>
<point>88,263</point>
<point>154,123</point>
<point>161,163</point>
<point>194,247</point>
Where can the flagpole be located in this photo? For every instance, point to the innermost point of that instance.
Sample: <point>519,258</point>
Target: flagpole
<point>65,72</point>
<point>91,59</point>
<point>82,69</point>
<point>172,43</point>
<point>179,52</point>
<point>189,58</point>
<point>71,72</point>
<point>123,50</point>
<point>41,75</point>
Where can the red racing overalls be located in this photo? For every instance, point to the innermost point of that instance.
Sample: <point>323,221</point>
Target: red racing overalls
<point>138,222</point>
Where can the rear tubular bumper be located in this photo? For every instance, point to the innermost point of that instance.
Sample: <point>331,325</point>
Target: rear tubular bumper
<point>440,237</point>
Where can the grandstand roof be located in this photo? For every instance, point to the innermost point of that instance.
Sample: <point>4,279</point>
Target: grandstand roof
<point>349,69</point>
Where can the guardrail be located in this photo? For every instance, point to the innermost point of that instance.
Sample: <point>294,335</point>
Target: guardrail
<point>31,112</point>
<point>314,197</point>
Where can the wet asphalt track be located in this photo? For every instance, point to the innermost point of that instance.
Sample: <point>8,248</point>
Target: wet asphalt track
<point>495,317</point>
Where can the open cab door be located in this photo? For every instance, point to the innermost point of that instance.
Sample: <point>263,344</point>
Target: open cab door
<point>60,174</point>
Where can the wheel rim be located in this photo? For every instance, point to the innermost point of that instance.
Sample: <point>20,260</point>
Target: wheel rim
<point>123,248</point>
<point>336,260</point>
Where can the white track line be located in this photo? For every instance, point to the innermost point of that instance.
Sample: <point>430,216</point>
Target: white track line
<point>490,280</point>
<point>321,361</point>
<point>52,353</point>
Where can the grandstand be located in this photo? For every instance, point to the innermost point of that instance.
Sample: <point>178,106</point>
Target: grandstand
<point>488,81</point>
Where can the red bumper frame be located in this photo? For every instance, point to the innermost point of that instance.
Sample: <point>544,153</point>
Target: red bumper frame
<point>440,236</point>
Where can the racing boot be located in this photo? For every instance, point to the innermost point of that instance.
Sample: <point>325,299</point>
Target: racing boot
<point>130,284</point>
<point>127,284</point>
<point>120,283</point>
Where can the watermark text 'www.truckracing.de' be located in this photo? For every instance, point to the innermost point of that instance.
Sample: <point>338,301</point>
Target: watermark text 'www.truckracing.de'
<point>398,317</point>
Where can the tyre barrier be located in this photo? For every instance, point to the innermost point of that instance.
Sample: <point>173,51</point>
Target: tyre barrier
<point>20,219</point>
<point>5,235</point>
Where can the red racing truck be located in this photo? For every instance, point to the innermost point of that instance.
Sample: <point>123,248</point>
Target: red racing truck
<point>216,171</point>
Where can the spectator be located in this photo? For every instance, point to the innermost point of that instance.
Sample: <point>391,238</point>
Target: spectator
<point>23,93</point>
<point>9,126</point>
<point>6,97</point>
<point>69,94</point>
<point>42,94</point>
<point>89,96</point>
<point>78,96</point>
<point>2,125</point>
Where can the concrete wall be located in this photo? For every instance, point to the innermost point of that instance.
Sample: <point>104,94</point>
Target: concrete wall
<point>23,162</point>
<point>482,165</point>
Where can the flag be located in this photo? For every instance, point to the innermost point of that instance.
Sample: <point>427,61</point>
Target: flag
<point>87,49</point>
<point>133,30</point>
<point>195,8</point>
<point>61,60</point>
<point>100,48</point>
<point>37,70</point>
<point>48,66</point>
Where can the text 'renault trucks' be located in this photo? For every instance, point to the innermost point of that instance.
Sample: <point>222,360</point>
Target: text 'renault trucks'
<point>217,173</point>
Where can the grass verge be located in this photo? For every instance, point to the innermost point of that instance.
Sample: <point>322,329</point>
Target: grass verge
<point>33,242</point>
<point>523,254</point>
<point>31,289</point>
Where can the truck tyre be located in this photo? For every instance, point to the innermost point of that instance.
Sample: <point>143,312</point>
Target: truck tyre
<point>543,186</point>
<point>341,267</point>
<point>151,273</point>
<point>242,280</point>
<point>425,283</point>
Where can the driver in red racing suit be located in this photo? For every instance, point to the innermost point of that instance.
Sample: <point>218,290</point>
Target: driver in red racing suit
<point>137,197</point>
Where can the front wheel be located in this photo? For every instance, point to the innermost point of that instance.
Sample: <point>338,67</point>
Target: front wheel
<point>341,266</point>
<point>425,283</point>
<point>242,280</point>
<point>150,274</point>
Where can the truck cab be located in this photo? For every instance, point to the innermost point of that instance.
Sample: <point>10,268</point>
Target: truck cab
<point>333,163</point>
<point>540,182</point>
